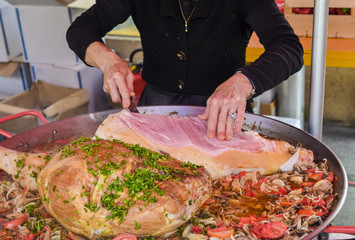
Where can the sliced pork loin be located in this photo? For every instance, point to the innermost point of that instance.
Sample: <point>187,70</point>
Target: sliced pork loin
<point>184,138</point>
<point>104,188</point>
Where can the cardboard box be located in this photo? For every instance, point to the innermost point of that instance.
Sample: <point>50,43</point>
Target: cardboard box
<point>10,45</point>
<point>268,108</point>
<point>339,26</point>
<point>78,76</point>
<point>14,78</point>
<point>53,101</point>
<point>264,108</point>
<point>43,25</point>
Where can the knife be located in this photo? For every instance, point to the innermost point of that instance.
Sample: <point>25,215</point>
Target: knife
<point>132,107</point>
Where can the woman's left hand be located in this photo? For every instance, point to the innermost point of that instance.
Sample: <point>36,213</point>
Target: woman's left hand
<point>228,98</point>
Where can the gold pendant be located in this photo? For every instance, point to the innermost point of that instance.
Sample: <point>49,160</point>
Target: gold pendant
<point>185,26</point>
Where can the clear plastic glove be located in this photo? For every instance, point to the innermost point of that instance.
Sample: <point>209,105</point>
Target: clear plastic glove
<point>118,78</point>
<point>228,98</point>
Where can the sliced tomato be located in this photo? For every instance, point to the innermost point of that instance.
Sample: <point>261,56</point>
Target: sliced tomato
<point>221,232</point>
<point>269,230</point>
<point>196,229</point>
<point>125,236</point>
<point>15,223</point>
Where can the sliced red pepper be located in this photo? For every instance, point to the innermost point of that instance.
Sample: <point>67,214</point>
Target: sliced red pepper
<point>252,219</point>
<point>282,191</point>
<point>247,220</point>
<point>15,223</point>
<point>319,201</point>
<point>241,174</point>
<point>248,191</point>
<point>330,177</point>
<point>308,184</point>
<point>320,212</point>
<point>328,199</point>
<point>316,176</point>
<point>31,236</point>
<point>306,212</point>
<point>286,204</point>
<point>305,201</point>
<point>23,192</point>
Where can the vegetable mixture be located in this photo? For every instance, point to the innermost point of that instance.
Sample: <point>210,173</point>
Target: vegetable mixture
<point>247,205</point>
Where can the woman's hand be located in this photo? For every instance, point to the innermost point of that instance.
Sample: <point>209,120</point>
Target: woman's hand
<point>228,98</point>
<point>118,78</point>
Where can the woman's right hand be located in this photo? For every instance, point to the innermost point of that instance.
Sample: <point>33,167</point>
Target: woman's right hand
<point>118,78</point>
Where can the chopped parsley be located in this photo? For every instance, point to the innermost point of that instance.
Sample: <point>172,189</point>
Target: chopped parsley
<point>136,225</point>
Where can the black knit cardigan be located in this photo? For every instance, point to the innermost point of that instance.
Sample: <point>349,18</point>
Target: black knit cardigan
<point>213,48</point>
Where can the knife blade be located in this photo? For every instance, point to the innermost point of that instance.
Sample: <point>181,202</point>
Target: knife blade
<point>132,107</point>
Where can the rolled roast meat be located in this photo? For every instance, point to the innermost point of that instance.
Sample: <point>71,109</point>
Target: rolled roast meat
<point>108,187</point>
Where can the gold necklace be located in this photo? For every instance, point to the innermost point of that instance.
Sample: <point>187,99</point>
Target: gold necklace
<point>183,16</point>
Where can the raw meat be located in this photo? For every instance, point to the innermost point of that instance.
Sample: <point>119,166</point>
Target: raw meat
<point>184,138</point>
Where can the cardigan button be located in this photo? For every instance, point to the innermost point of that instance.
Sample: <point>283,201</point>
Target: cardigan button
<point>181,55</point>
<point>180,85</point>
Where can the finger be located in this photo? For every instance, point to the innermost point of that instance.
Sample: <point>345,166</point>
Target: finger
<point>212,120</point>
<point>111,88</point>
<point>230,124</point>
<point>204,116</point>
<point>123,90</point>
<point>240,117</point>
<point>130,81</point>
<point>222,123</point>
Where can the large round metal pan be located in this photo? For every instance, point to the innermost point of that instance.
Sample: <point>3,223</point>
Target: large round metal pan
<point>86,125</point>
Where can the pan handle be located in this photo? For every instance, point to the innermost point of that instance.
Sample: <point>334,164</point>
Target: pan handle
<point>18,115</point>
<point>340,229</point>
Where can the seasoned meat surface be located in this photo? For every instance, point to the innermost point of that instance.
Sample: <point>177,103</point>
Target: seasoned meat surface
<point>104,188</point>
